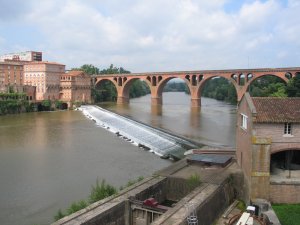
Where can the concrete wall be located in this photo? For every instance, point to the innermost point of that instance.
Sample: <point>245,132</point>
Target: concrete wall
<point>177,188</point>
<point>114,210</point>
<point>209,201</point>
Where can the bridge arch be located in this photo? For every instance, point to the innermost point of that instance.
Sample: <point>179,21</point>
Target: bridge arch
<point>125,91</point>
<point>102,92</point>
<point>157,92</point>
<point>231,80</point>
<point>255,78</point>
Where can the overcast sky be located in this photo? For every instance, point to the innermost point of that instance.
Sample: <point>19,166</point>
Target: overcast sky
<point>155,35</point>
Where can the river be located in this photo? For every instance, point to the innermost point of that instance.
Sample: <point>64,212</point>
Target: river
<point>212,124</point>
<point>50,159</point>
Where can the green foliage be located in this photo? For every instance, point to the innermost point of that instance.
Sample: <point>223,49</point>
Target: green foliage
<point>288,214</point>
<point>176,86</point>
<point>105,91</point>
<point>88,69</point>
<point>10,96</point>
<point>101,191</point>
<point>293,87</point>
<point>194,181</point>
<point>76,206</point>
<point>221,89</point>
<point>58,104</point>
<point>268,86</point>
<point>132,182</point>
<point>138,88</point>
<point>113,70</point>
<point>98,192</point>
<point>46,103</point>
<point>241,205</point>
<point>12,106</point>
<point>59,215</point>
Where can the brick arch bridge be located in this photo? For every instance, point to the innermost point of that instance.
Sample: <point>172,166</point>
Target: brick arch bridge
<point>195,80</point>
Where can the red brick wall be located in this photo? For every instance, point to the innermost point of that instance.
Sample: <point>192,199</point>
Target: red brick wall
<point>276,132</point>
<point>243,139</point>
<point>285,193</point>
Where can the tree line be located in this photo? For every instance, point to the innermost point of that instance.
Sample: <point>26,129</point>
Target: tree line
<point>267,86</point>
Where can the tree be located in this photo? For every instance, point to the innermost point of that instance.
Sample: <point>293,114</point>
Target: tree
<point>268,86</point>
<point>220,89</point>
<point>88,69</point>
<point>293,86</point>
<point>113,70</point>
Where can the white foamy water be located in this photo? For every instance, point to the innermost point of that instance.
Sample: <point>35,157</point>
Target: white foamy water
<point>161,143</point>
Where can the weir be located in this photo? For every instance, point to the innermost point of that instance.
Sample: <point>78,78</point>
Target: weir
<point>142,135</point>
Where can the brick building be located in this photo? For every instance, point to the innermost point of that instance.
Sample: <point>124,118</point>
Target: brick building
<point>45,76</point>
<point>268,147</point>
<point>11,73</point>
<point>75,86</point>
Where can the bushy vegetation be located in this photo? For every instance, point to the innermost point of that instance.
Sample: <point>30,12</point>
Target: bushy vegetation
<point>221,89</point>
<point>193,181</point>
<point>101,191</point>
<point>11,103</point>
<point>132,182</point>
<point>98,192</point>
<point>288,214</point>
<point>267,86</point>
<point>176,86</point>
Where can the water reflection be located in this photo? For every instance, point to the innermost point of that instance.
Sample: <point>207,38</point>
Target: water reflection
<point>212,124</point>
<point>195,116</point>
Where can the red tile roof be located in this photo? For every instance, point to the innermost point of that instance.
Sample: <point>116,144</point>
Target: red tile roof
<point>74,73</point>
<point>277,110</point>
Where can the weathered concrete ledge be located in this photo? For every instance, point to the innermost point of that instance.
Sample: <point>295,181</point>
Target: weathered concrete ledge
<point>111,210</point>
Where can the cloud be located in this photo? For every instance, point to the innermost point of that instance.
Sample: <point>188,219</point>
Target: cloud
<point>166,35</point>
<point>13,10</point>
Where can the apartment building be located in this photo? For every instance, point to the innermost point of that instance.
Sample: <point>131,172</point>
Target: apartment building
<point>45,76</point>
<point>11,73</point>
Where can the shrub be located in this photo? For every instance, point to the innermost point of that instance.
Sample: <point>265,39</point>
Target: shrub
<point>59,215</point>
<point>101,191</point>
<point>194,181</point>
<point>76,206</point>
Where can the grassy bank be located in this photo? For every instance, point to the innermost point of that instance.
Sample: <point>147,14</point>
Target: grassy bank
<point>288,214</point>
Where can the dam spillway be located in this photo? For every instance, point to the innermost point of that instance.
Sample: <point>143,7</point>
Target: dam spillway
<point>160,142</point>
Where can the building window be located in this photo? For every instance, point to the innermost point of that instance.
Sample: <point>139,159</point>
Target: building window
<point>244,121</point>
<point>288,128</point>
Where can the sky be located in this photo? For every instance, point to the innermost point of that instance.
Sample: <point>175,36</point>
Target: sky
<point>155,35</point>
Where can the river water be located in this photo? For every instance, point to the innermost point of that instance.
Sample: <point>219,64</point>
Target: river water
<point>212,124</point>
<point>50,159</point>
